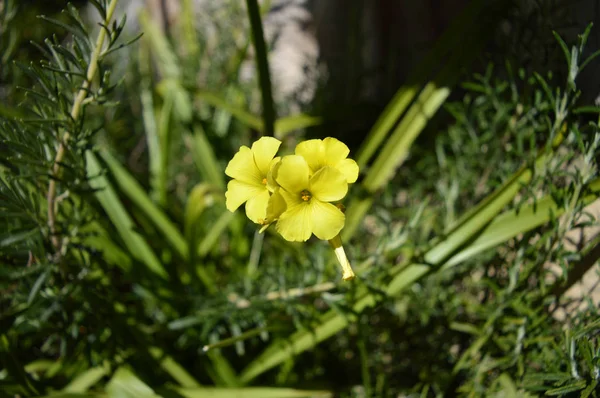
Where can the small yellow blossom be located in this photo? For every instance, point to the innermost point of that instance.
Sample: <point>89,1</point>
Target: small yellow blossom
<point>306,197</point>
<point>295,191</point>
<point>328,152</point>
<point>249,169</point>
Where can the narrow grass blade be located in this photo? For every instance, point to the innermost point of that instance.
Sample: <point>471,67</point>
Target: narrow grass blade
<point>285,125</point>
<point>328,325</point>
<point>188,30</point>
<point>132,189</point>
<point>86,380</point>
<point>164,140</point>
<point>174,369</point>
<point>396,150</point>
<point>125,384</point>
<point>217,229</point>
<point>115,210</point>
<point>96,237</point>
<point>149,120</point>
<point>511,223</point>
<point>242,115</point>
<point>441,251</point>
<point>206,160</point>
<point>200,198</point>
<point>251,392</point>
<point>75,395</point>
<point>166,58</point>
<point>224,375</point>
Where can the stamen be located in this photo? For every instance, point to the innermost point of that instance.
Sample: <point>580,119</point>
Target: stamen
<point>264,181</point>
<point>305,195</point>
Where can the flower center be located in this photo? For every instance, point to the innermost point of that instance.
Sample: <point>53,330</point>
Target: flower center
<point>264,181</point>
<point>305,195</point>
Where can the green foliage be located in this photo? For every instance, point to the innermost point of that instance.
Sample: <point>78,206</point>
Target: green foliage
<point>123,275</point>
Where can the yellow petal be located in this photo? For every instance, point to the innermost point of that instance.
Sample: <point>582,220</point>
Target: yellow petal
<point>276,207</point>
<point>295,224</point>
<point>292,174</point>
<point>328,184</point>
<point>273,168</point>
<point>291,199</point>
<point>335,150</point>
<point>243,168</point>
<point>264,151</point>
<point>327,220</point>
<point>238,192</point>
<point>313,152</point>
<point>256,207</point>
<point>349,168</point>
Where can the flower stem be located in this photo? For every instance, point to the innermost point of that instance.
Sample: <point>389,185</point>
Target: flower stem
<point>338,248</point>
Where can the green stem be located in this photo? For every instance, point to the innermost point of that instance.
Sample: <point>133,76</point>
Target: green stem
<point>263,67</point>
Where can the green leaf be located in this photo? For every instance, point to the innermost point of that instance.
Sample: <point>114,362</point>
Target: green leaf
<point>564,48</point>
<point>132,189</point>
<point>199,199</point>
<point>116,212</point>
<point>224,374</point>
<point>149,120</point>
<point>167,61</point>
<point>589,59</point>
<point>14,237</point>
<point>164,141</point>
<point>285,125</point>
<point>243,116</point>
<point>174,369</point>
<point>251,392</point>
<point>578,385</point>
<point>125,384</point>
<point>514,222</point>
<point>215,232</point>
<point>172,90</point>
<point>38,285</point>
<point>96,237</point>
<point>86,380</point>
<point>74,395</point>
<point>587,109</point>
<point>206,160</point>
<point>589,389</point>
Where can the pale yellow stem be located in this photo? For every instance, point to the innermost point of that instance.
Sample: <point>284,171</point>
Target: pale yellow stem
<point>338,249</point>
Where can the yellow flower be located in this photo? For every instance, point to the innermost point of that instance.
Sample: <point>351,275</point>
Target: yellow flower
<point>328,152</point>
<point>249,169</point>
<point>306,197</point>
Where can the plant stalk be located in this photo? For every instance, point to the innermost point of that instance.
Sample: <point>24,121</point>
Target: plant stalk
<point>75,112</point>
